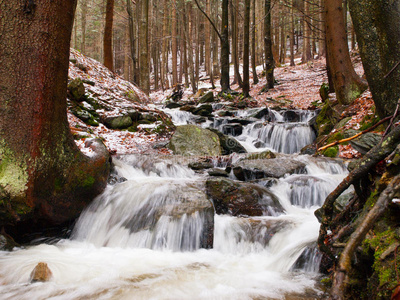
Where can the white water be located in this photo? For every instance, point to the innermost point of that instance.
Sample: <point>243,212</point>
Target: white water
<point>144,239</point>
<point>109,256</point>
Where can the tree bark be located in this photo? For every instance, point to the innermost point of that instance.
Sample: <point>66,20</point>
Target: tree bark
<point>269,57</point>
<point>144,46</point>
<point>253,43</point>
<point>225,86</point>
<point>108,34</point>
<point>174,45</point>
<point>234,16</point>
<point>246,48</point>
<point>348,85</point>
<point>84,8</point>
<point>43,175</point>
<point>377,26</point>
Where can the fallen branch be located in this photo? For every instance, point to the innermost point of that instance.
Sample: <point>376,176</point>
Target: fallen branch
<point>354,136</point>
<point>344,266</point>
<point>374,156</point>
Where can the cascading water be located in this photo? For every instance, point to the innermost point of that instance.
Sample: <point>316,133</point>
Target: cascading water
<point>154,235</point>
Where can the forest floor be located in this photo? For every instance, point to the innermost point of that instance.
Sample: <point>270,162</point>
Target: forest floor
<point>297,87</point>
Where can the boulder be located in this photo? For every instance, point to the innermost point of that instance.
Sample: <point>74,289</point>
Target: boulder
<point>291,116</point>
<point>7,243</point>
<point>261,155</point>
<point>229,144</point>
<point>76,90</point>
<point>41,273</point>
<point>217,172</point>
<point>260,113</point>
<point>173,105</point>
<point>365,142</point>
<point>194,140</point>
<point>200,165</point>
<point>207,98</point>
<point>203,110</point>
<point>117,122</point>
<point>234,129</point>
<point>248,169</point>
<point>238,198</point>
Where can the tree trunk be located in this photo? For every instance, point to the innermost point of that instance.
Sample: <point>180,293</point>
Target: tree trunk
<point>43,175</point>
<point>174,45</point>
<point>207,38</point>
<point>377,26</point>
<point>144,46</point>
<point>269,57</point>
<point>132,40</point>
<point>306,34</point>
<point>253,43</point>
<point>348,85</point>
<point>107,42</point>
<point>246,48</point>
<point>234,16</point>
<point>292,64</point>
<point>84,7</point>
<point>225,86</point>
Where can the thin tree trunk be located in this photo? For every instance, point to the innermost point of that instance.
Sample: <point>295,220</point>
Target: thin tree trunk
<point>292,64</point>
<point>269,58</point>
<point>144,46</point>
<point>174,45</point>
<point>246,46</point>
<point>84,8</point>
<point>253,44</point>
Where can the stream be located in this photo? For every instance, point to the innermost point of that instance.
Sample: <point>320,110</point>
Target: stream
<point>155,234</point>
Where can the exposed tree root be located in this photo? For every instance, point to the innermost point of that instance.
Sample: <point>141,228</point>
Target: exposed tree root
<point>344,266</point>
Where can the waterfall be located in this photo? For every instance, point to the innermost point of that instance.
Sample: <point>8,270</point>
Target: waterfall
<point>155,234</point>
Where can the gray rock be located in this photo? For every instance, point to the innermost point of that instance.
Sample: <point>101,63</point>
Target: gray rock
<point>194,140</point>
<point>234,129</point>
<point>200,165</point>
<point>239,198</point>
<point>229,144</point>
<point>203,110</point>
<point>365,142</point>
<point>260,168</point>
<point>291,116</point>
<point>217,173</point>
<point>207,98</point>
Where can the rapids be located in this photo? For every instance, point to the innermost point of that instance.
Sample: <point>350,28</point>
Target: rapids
<point>148,237</point>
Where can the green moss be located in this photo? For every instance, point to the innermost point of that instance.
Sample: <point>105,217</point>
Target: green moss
<point>324,122</point>
<point>335,137</point>
<point>88,181</point>
<point>331,151</point>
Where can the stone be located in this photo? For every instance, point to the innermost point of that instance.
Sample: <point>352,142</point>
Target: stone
<point>260,168</point>
<point>118,122</point>
<point>217,172</point>
<point>365,142</point>
<point>309,149</point>
<point>200,165</point>
<point>229,144</point>
<point>241,199</point>
<point>172,105</point>
<point>260,113</point>
<point>207,98</point>
<point>194,140</point>
<point>234,129</point>
<point>203,110</point>
<point>291,116</point>
<point>41,273</point>
<point>76,90</point>
<point>7,243</point>
<point>261,155</point>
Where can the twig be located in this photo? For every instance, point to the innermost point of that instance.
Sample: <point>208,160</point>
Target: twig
<point>391,121</point>
<point>354,136</point>
<point>391,71</point>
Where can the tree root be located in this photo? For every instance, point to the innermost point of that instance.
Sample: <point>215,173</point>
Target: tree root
<point>344,266</point>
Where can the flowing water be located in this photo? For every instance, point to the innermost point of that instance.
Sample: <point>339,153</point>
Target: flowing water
<point>155,236</point>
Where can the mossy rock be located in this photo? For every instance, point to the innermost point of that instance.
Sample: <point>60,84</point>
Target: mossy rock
<point>194,140</point>
<point>262,155</point>
<point>327,118</point>
<point>118,122</point>
<point>331,151</point>
<point>207,98</point>
<point>324,92</point>
<point>76,90</point>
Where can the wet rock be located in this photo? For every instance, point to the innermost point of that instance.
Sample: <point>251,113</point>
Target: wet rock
<point>260,168</point>
<point>7,243</point>
<point>291,116</point>
<point>118,122</point>
<point>114,179</point>
<point>309,149</point>
<point>41,273</point>
<point>242,121</point>
<point>225,113</point>
<point>207,98</point>
<point>217,173</point>
<point>200,165</point>
<point>173,105</point>
<point>189,108</point>
<point>229,144</point>
<point>239,198</point>
<point>149,117</point>
<point>262,155</point>
<point>203,110</point>
<point>309,259</point>
<point>260,113</point>
<point>234,129</point>
<point>194,140</point>
<point>76,90</point>
<point>365,142</point>
<point>134,114</point>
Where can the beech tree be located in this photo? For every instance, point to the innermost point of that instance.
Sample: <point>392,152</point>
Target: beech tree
<point>43,175</point>
<point>269,57</point>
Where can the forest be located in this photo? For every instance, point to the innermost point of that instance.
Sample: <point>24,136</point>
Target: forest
<point>198,149</point>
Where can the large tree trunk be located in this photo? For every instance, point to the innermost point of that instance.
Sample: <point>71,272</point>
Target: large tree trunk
<point>144,46</point>
<point>84,7</point>
<point>348,85</point>
<point>269,57</point>
<point>234,16</point>
<point>377,25</point>
<point>253,43</point>
<point>107,42</point>
<point>43,175</point>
